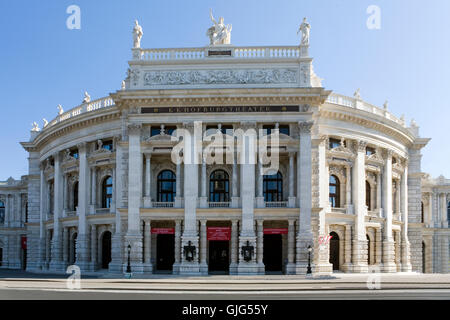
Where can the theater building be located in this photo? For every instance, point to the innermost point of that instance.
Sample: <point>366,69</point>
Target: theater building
<point>113,178</point>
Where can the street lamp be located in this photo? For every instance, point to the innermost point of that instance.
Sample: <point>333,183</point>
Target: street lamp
<point>189,252</point>
<point>128,264</point>
<point>247,252</point>
<point>309,260</point>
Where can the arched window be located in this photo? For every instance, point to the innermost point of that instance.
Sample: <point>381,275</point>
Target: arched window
<point>107,192</point>
<point>75,196</point>
<point>335,193</point>
<point>369,262</point>
<point>448,213</point>
<point>219,187</point>
<point>51,196</point>
<point>273,187</point>
<point>368,200</point>
<point>422,213</point>
<point>166,186</point>
<point>2,212</point>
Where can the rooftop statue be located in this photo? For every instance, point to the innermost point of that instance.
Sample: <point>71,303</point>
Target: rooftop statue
<point>219,33</point>
<point>305,29</point>
<point>137,35</point>
<point>87,97</point>
<point>45,122</point>
<point>60,109</point>
<point>357,94</point>
<point>35,127</point>
<point>385,105</point>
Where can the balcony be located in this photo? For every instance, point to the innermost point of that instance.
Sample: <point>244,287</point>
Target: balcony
<point>102,211</point>
<point>218,204</point>
<point>276,204</point>
<point>163,204</point>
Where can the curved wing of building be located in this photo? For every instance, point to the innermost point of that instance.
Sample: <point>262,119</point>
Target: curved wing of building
<point>225,159</point>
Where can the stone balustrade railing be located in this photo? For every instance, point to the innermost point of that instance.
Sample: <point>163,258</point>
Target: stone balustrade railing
<point>219,204</point>
<point>276,204</point>
<point>82,109</point>
<point>162,204</point>
<point>270,52</point>
<point>362,105</point>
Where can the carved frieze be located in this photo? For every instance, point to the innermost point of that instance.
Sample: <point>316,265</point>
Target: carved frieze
<point>201,77</point>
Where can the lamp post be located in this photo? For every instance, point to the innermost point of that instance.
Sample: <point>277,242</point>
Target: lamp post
<point>308,272</point>
<point>189,252</point>
<point>128,264</point>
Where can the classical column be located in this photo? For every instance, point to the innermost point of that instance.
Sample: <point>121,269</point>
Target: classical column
<point>65,245</point>
<point>203,198</point>
<point>203,247</point>
<point>93,247</point>
<point>388,242</point>
<point>66,194</point>
<point>397,251</point>
<point>178,187</point>
<point>133,236</point>
<point>42,211</point>
<point>359,202</point>
<point>56,263</point>
<point>380,210</point>
<point>93,205</point>
<point>348,190</point>
<point>444,221</point>
<point>347,266</point>
<point>290,267</point>
<point>429,216</point>
<point>247,160</point>
<point>406,252</point>
<point>397,198</point>
<point>147,246</point>
<point>176,266</point>
<point>234,247</point>
<point>112,208</point>
<point>378,247</point>
<point>291,199</point>
<point>82,243</point>
<point>260,248</point>
<point>192,158</point>
<point>148,179</point>
<point>304,167</point>
<point>234,183</point>
<point>259,186</point>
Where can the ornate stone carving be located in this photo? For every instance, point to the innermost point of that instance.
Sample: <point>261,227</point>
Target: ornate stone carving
<point>134,128</point>
<point>305,126</point>
<point>219,33</point>
<point>305,108</point>
<point>360,146</point>
<point>137,35</point>
<point>305,29</point>
<point>194,77</point>
<point>35,127</point>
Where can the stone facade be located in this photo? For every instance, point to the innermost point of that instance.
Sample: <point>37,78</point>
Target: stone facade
<point>110,186</point>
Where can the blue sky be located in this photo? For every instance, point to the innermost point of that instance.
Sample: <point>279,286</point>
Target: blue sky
<point>44,64</point>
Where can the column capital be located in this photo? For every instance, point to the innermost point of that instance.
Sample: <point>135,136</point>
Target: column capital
<point>291,222</point>
<point>82,146</point>
<point>360,145</point>
<point>388,153</point>
<point>305,126</point>
<point>203,222</point>
<point>292,154</point>
<point>134,128</point>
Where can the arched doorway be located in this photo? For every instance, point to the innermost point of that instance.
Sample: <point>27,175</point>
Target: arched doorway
<point>73,248</point>
<point>334,250</point>
<point>423,257</point>
<point>106,249</point>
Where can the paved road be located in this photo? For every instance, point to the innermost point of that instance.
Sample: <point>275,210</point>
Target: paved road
<point>20,285</point>
<point>421,294</point>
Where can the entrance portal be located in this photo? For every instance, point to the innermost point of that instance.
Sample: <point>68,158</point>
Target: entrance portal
<point>106,250</point>
<point>334,250</point>
<point>273,252</point>
<point>219,256</point>
<point>165,255</point>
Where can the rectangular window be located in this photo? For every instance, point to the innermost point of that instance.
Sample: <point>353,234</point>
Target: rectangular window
<point>108,145</point>
<point>370,151</point>
<point>334,143</point>
<point>284,129</point>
